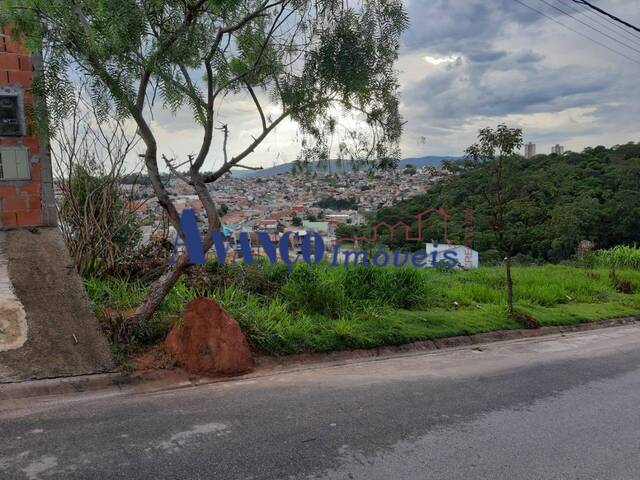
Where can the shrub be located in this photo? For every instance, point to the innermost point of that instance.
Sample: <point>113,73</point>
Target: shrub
<point>315,289</point>
<point>260,278</point>
<point>97,224</point>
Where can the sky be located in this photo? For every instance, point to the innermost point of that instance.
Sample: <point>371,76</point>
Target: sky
<point>467,64</point>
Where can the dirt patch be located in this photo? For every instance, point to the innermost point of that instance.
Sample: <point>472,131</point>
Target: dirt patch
<point>155,358</point>
<point>526,320</point>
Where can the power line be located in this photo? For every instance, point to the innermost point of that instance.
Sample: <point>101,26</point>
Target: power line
<point>578,32</point>
<point>590,26</point>
<point>602,21</point>
<point>604,17</point>
<point>603,12</point>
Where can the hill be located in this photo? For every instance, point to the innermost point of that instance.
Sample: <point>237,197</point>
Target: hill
<point>555,203</point>
<point>430,160</point>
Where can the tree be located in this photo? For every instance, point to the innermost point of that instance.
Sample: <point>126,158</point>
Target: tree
<point>296,221</point>
<point>555,203</point>
<point>410,170</point>
<point>495,148</point>
<point>223,209</point>
<point>311,58</point>
<point>337,203</point>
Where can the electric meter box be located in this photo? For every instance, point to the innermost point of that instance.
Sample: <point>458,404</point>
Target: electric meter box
<point>14,163</point>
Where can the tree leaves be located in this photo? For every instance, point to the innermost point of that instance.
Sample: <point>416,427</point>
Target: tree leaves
<point>310,55</point>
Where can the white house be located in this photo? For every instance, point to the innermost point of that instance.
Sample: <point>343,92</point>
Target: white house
<point>453,255</point>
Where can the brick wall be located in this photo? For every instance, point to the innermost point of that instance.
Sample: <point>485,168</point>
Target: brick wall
<point>21,200</point>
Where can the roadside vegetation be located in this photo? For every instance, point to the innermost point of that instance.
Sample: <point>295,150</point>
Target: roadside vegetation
<point>323,308</point>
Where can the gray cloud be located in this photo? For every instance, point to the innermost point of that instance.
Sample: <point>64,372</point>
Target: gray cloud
<point>517,83</point>
<point>446,25</point>
<point>513,62</point>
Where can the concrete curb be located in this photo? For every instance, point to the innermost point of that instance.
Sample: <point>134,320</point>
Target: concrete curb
<point>158,380</point>
<point>94,382</point>
<point>438,343</point>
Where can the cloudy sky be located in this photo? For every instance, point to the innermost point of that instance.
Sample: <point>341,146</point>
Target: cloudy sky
<point>466,64</point>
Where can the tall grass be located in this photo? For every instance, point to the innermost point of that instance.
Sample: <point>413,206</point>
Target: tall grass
<point>392,287</point>
<point>619,257</point>
<point>316,289</point>
<point>320,308</point>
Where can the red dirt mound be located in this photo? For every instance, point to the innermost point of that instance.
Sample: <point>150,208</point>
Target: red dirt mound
<point>208,341</point>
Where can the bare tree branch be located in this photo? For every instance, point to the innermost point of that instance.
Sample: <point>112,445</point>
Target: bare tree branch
<point>237,165</point>
<point>169,163</point>
<point>248,150</point>
<point>257,104</point>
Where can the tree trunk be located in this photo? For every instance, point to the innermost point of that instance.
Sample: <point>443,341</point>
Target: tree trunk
<point>158,290</point>
<point>509,287</point>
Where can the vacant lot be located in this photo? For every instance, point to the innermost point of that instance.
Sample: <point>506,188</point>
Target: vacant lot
<point>322,308</point>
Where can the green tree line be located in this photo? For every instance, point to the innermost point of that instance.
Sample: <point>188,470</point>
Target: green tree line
<point>555,203</point>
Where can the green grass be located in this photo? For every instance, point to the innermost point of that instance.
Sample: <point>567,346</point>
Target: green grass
<point>322,308</point>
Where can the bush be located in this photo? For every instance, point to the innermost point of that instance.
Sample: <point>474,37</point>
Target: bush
<point>315,289</point>
<point>260,278</point>
<point>97,224</point>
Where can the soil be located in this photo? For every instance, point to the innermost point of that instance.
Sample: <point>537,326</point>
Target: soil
<point>154,358</point>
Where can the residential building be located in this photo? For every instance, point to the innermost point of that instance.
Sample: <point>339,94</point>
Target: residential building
<point>529,150</point>
<point>26,184</point>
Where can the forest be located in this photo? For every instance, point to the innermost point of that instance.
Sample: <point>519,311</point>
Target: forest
<point>554,202</point>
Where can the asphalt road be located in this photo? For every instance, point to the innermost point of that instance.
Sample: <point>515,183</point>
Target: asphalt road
<point>553,408</point>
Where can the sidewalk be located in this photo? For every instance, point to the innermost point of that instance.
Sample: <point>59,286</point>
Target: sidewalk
<point>43,301</point>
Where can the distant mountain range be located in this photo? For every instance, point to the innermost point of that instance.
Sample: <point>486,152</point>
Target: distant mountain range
<point>343,167</point>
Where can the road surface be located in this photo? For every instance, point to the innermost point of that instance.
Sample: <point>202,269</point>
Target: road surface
<point>551,408</point>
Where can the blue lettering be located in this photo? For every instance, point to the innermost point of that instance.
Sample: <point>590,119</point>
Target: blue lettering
<point>452,257</point>
<point>269,247</point>
<point>418,259</point>
<point>318,251</point>
<point>192,240</point>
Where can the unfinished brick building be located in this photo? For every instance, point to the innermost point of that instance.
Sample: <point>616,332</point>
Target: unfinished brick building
<point>26,186</point>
